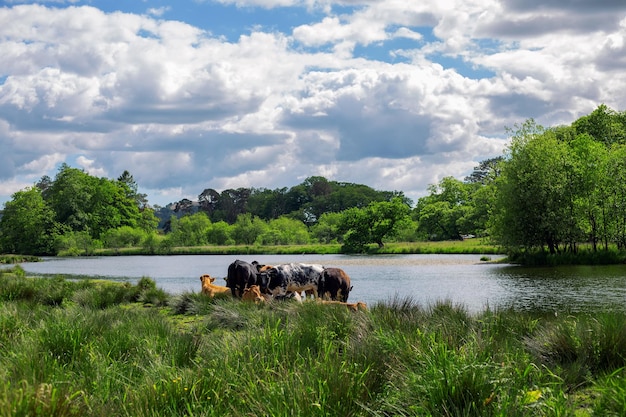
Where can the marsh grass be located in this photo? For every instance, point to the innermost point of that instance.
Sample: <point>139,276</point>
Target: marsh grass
<point>102,352</point>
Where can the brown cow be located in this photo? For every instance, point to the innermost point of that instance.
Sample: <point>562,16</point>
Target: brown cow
<point>210,289</point>
<point>253,293</point>
<point>334,285</point>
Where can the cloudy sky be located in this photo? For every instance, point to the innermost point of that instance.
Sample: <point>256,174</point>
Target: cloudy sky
<point>195,94</point>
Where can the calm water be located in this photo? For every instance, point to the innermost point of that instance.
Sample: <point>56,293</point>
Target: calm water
<point>462,279</point>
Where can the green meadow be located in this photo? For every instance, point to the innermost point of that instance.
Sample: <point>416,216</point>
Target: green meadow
<point>94,348</point>
<point>468,246</point>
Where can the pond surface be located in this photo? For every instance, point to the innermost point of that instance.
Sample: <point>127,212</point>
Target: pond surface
<point>461,279</point>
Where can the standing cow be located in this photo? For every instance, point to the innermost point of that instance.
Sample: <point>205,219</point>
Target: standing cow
<point>334,285</point>
<point>293,277</point>
<point>241,275</point>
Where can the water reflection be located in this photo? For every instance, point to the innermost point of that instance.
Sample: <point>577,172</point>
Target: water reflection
<point>564,289</point>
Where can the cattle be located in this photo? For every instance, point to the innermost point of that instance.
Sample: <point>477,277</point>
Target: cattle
<point>334,285</point>
<point>253,293</point>
<point>242,274</point>
<point>210,289</point>
<point>351,306</point>
<point>290,296</point>
<point>293,277</point>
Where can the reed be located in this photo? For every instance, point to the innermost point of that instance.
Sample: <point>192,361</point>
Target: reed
<point>102,352</point>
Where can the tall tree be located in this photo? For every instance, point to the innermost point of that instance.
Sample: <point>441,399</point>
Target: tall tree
<point>27,225</point>
<point>130,186</point>
<point>535,202</point>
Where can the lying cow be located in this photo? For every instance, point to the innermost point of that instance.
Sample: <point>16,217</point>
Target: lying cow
<point>253,294</point>
<point>210,289</point>
<point>334,285</point>
<point>293,277</point>
<point>242,274</point>
<point>351,306</point>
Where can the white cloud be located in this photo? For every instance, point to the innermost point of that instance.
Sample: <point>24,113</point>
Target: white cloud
<point>184,110</point>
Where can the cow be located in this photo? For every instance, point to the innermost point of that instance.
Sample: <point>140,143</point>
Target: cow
<point>351,306</point>
<point>253,293</point>
<point>210,289</point>
<point>242,274</point>
<point>334,285</point>
<point>290,296</point>
<point>293,277</point>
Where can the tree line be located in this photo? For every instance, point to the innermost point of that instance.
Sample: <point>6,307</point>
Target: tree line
<point>552,190</point>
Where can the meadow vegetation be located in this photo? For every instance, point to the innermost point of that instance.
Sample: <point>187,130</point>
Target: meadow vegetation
<point>87,347</point>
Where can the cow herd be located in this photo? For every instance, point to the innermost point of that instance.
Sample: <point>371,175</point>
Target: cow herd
<point>260,283</point>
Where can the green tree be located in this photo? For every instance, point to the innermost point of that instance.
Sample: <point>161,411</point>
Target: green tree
<point>442,214</point>
<point>535,199</point>
<point>69,196</point>
<point>326,230</point>
<point>616,199</point>
<point>372,224</point>
<point>86,203</point>
<point>219,234</point>
<point>247,229</point>
<point>191,230</point>
<point>603,124</point>
<point>285,231</point>
<point>27,225</point>
<point>130,187</point>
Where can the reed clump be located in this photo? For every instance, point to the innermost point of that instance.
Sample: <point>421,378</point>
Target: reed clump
<point>102,350</point>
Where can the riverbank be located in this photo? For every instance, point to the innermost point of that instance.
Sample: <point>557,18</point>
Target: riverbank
<point>468,246</point>
<point>73,348</point>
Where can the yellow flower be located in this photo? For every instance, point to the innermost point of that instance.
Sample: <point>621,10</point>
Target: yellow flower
<point>532,396</point>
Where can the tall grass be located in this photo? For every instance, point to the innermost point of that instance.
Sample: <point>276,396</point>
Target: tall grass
<point>101,352</point>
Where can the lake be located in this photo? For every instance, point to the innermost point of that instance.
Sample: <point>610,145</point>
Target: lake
<point>461,279</point>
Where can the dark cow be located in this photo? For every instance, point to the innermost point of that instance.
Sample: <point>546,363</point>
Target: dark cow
<point>242,274</point>
<point>334,285</point>
<point>293,277</point>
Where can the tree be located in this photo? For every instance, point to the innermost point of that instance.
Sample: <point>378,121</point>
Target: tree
<point>209,200</point>
<point>446,212</point>
<point>372,224</point>
<point>128,183</point>
<point>219,234</point>
<point>486,171</point>
<point>535,199</point>
<point>69,197</point>
<point>326,230</point>
<point>27,225</point>
<point>86,203</point>
<point>247,229</point>
<point>285,231</point>
<point>604,125</point>
<point>191,230</point>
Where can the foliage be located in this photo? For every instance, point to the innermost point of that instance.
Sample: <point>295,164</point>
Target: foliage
<point>563,186</point>
<point>306,202</point>
<point>372,224</point>
<point>284,231</point>
<point>70,210</point>
<point>27,225</point>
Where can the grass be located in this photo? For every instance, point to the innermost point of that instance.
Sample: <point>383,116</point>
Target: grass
<point>468,246</point>
<point>106,349</point>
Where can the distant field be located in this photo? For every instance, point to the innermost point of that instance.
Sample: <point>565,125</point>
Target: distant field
<point>468,246</point>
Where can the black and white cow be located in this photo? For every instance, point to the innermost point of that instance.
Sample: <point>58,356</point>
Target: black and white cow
<point>293,277</point>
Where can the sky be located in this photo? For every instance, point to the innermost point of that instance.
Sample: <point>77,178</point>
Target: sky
<point>194,94</point>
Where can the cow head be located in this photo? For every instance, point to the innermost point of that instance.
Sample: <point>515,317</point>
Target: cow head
<point>264,278</point>
<point>206,278</point>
